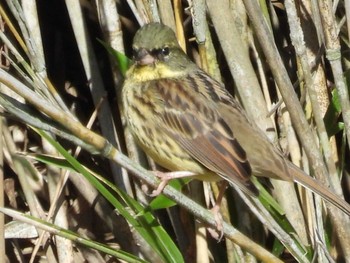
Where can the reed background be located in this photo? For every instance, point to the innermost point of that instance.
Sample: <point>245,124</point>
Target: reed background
<point>287,62</point>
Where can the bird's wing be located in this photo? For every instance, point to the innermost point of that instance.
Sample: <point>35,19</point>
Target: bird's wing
<point>191,118</point>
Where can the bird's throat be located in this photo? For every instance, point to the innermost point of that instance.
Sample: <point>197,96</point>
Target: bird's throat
<point>152,72</point>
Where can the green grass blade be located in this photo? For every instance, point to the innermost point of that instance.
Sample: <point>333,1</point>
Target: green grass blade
<point>145,223</point>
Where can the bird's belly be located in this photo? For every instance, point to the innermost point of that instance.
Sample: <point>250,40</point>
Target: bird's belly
<point>163,149</point>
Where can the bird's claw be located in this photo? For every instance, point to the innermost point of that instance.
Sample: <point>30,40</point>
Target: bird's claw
<point>166,177</point>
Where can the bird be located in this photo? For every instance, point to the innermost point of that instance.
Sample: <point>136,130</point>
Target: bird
<point>185,120</point>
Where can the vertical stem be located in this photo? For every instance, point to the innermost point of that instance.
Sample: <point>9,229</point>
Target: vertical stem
<point>334,56</point>
<point>2,203</point>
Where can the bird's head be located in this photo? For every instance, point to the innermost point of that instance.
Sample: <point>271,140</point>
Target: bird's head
<point>157,52</point>
<point>154,42</point>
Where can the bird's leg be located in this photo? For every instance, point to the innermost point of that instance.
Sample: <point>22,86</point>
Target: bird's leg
<point>216,211</point>
<point>166,177</point>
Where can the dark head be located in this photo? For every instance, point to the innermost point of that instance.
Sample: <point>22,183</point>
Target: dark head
<point>153,42</point>
<point>156,44</point>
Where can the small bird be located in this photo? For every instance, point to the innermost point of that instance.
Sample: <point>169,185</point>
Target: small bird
<point>187,121</point>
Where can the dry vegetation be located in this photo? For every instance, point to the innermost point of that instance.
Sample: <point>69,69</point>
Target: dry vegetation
<point>63,140</point>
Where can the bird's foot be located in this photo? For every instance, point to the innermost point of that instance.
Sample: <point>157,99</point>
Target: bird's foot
<point>217,233</point>
<point>165,177</point>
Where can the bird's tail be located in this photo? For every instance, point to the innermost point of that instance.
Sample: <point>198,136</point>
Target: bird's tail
<point>316,187</point>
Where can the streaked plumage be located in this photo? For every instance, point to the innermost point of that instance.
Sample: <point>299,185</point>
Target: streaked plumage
<point>187,121</point>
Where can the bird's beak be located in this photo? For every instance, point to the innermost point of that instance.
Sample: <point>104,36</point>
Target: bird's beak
<point>143,57</point>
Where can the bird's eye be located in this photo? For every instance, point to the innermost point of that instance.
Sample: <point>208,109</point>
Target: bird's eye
<point>161,53</point>
<point>165,51</point>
